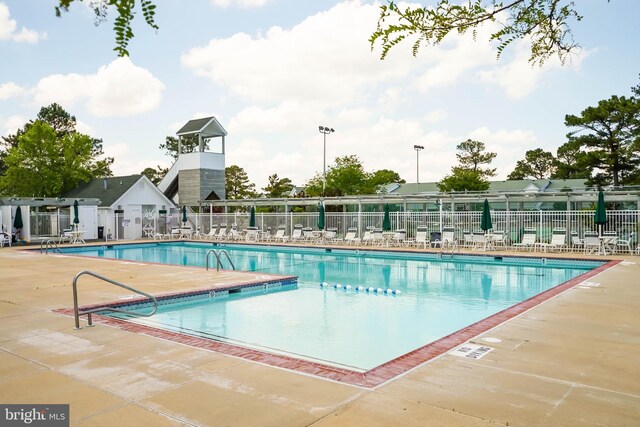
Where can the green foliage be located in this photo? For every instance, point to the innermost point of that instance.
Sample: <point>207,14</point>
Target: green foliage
<point>63,125</point>
<point>544,22</point>
<point>189,144</point>
<point>571,162</point>
<point>278,187</point>
<point>237,185</point>
<point>463,179</point>
<point>609,135</point>
<point>347,177</point>
<point>44,164</point>
<point>471,155</point>
<point>537,164</point>
<point>155,175</point>
<point>125,10</point>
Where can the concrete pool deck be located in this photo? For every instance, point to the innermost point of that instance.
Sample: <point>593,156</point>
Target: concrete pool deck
<point>569,361</point>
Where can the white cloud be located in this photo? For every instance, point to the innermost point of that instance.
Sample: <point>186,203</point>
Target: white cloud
<point>9,90</point>
<point>326,59</point>
<point>509,144</point>
<point>11,124</point>
<point>126,163</point>
<point>434,116</point>
<point>244,4</point>
<point>518,78</point>
<point>8,29</point>
<point>118,89</point>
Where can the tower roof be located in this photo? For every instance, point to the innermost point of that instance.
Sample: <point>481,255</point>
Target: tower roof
<point>207,127</point>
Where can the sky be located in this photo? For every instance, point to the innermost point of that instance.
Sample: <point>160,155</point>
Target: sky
<point>272,71</point>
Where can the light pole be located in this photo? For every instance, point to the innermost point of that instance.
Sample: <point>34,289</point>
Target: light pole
<point>324,130</point>
<point>418,148</point>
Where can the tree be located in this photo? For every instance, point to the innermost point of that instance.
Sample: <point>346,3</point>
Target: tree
<point>537,164</point>
<point>237,185</point>
<point>382,177</point>
<point>609,133</point>
<point>571,162</point>
<point>189,144</point>
<point>63,124</point>
<point>155,175</point>
<point>43,164</point>
<point>471,155</point>
<point>544,22</point>
<point>348,177</point>
<point>463,179</point>
<point>278,187</point>
<point>122,24</point>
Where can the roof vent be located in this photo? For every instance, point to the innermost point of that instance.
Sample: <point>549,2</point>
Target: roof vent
<point>104,183</point>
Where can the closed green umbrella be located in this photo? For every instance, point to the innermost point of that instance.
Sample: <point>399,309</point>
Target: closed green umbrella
<point>252,217</point>
<point>600,216</point>
<point>184,214</point>
<point>386,220</point>
<point>76,220</point>
<point>485,222</point>
<point>320,216</point>
<point>17,222</point>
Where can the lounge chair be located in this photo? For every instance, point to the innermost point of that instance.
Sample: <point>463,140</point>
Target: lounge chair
<point>422,237</point>
<point>468,238</point>
<point>308,236</point>
<point>576,241</point>
<point>211,235</point>
<point>377,238</point>
<point>446,239</point>
<point>297,236</point>
<point>558,240</point>
<point>280,235</point>
<point>528,240</point>
<point>66,236</point>
<point>349,238</point>
<point>480,241</point>
<point>625,244</point>
<point>5,239</point>
<point>251,234</point>
<point>222,232</point>
<point>498,239</point>
<point>399,237</point>
<point>609,241</point>
<point>591,242</point>
<point>233,234</point>
<point>330,235</point>
<point>367,238</point>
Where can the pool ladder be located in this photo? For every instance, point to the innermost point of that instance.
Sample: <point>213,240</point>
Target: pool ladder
<point>218,254</point>
<point>49,244</point>
<point>77,313</point>
<point>449,254</point>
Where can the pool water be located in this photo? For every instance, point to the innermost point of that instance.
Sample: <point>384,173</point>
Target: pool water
<point>355,329</point>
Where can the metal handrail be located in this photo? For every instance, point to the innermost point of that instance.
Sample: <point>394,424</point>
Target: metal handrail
<point>218,262</point>
<point>453,249</point>
<point>77,313</point>
<point>49,244</point>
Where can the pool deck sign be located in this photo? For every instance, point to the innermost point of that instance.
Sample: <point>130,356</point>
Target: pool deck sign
<point>471,351</point>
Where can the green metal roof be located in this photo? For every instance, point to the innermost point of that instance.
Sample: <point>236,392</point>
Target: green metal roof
<point>116,186</point>
<point>207,127</point>
<point>543,185</point>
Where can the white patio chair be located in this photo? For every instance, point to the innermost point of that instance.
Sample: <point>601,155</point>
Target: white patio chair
<point>480,241</point>
<point>576,241</point>
<point>528,240</point>
<point>367,238</point>
<point>280,235</point>
<point>448,236</point>
<point>377,238</point>
<point>625,244</point>
<point>498,239</point>
<point>222,232</point>
<point>211,235</point>
<point>591,242</point>
<point>558,240</point>
<point>398,237</point>
<point>468,238</point>
<point>422,237</point>
<point>297,236</point>
<point>609,241</point>
<point>5,239</point>
<point>351,237</point>
<point>251,234</point>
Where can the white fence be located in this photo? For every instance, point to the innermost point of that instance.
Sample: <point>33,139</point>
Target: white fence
<point>513,223</point>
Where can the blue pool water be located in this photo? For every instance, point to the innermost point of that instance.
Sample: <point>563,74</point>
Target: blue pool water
<point>354,329</point>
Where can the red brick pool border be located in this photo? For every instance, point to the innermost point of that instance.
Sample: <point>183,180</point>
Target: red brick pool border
<point>371,378</point>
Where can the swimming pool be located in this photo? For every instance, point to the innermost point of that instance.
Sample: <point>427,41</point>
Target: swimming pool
<point>356,330</point>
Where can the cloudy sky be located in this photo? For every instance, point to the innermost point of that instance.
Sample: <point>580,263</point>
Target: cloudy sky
<point>272,71</point>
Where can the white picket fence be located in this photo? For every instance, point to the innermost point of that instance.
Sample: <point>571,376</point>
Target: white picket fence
<point>512,223</point>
